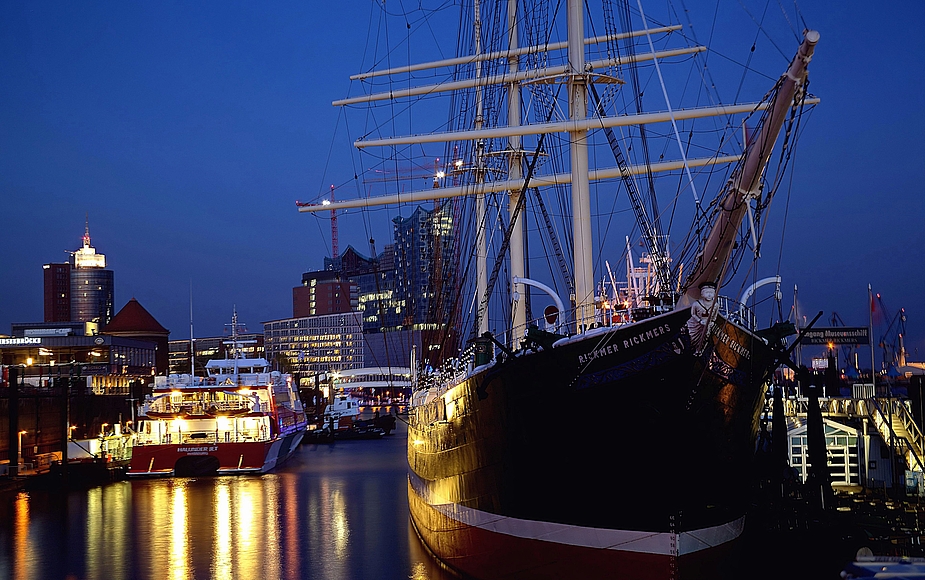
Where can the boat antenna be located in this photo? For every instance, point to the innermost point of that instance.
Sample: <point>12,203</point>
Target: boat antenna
<point>234,339</point>
<point>192,341</point>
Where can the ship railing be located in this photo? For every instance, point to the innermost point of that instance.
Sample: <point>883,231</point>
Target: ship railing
<point>736,312</point>
<point>454,371</point>
<point>202,437</point>
<point>606,317</point>
<point>162,406</point>
<point>231,405</point>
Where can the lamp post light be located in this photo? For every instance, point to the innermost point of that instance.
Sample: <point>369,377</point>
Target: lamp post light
<point>19,446</point>
<point>333,377</point>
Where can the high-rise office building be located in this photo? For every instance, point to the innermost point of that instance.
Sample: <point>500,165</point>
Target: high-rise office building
<point>81,290</point>
<point>57,292</point>
<point>316,344</point>
<point>424,266</point>
<point>377,298</point>
<point>92,296</point>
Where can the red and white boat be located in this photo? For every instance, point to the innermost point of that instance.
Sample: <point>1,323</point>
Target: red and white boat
<point>240,418</point>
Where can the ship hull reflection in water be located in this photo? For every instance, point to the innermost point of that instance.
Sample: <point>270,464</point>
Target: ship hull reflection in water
<point>335,511</point>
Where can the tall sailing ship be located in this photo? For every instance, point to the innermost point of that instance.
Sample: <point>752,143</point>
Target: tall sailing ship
<point>614,435</point>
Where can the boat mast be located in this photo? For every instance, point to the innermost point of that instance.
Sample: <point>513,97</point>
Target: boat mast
<point>745,184</point>
<point>192,341</point>
<point>481,245</point>
<point>578,149</point>
<point>234,341</point>
<point>515,174</point>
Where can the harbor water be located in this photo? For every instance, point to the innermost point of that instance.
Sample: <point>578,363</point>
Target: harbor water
<point>332,511</point>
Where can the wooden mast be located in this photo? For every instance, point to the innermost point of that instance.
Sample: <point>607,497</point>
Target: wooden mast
<point>578,152</point>
<point>745,182</point>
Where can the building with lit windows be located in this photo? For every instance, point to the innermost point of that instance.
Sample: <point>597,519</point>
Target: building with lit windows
<point>57,286</point>
<point>133,321</point>
<point>96,381</point>
<point>425,267</point>
<point>134,350</point>
<point>377,298</point>
<point>212,347</point>
<point>310,345</point>
<point>80,290</point>
<point>92,296</point>
<point>324,292</point>
<point>399,297</point>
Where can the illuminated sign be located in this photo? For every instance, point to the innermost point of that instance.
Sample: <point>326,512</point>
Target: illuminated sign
<point>95,369</point>
<point>837,335</point>
<point>47,331</point>
<point>27,341</point>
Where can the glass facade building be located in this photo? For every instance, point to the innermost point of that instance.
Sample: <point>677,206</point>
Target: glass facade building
<point>91,295</point>
<point>315,344</point>
<point>425,267</point>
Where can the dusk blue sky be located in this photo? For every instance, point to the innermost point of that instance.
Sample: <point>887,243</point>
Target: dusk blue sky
<point>187,131</point>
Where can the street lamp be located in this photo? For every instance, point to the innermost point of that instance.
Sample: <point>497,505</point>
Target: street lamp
<point>19,444</point>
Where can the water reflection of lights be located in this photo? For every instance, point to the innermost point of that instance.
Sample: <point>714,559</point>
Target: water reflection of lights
<point>107,530</point>
<point>178,558</point>
<point>270,521</point>
<point>221,556</point>
<point>289,509</point>
<point>244,528</point>
<point>334,512</point>
<point>320,518</point>
<point>419,572</point>
<point>340,524</point>
<point>23,564</point>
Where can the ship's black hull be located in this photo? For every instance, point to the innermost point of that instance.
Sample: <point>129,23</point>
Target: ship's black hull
<point>634,436</point>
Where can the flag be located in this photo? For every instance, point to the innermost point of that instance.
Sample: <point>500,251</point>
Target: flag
<point>875,312</point>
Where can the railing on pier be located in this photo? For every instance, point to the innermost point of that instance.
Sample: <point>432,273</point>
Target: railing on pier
<point>890,416</point>
<point>895,424</point>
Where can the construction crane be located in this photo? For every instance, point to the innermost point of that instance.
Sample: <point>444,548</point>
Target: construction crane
<point>335,249</point>
<point>891,341</point>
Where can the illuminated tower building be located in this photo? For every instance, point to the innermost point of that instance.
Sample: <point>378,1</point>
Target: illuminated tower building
<point>91,285</point>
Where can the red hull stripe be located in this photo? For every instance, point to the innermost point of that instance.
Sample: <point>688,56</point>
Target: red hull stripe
<point>659,543</point>
<point>253,457</point>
